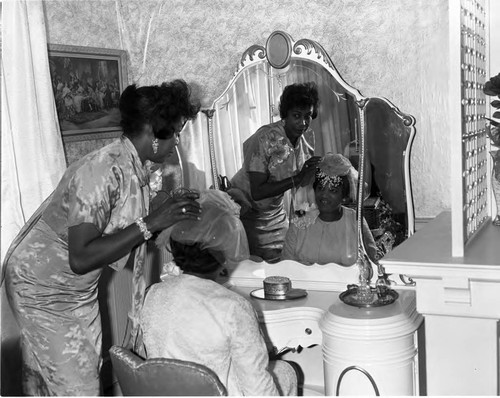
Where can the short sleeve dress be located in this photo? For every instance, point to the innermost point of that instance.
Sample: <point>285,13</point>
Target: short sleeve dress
<point>324,242</point>
<point>57,310</point>
<point>269,151</point>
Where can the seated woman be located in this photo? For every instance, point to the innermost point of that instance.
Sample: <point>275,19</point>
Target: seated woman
<point>189,316</point>
<point>328,232</point>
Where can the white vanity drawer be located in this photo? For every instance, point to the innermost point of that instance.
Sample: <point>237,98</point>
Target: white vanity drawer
<point>291,327</point>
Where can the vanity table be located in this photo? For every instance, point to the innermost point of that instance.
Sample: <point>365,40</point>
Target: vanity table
<point>325,337</point>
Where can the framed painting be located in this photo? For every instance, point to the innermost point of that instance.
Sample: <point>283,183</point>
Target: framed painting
<point>87,83</point>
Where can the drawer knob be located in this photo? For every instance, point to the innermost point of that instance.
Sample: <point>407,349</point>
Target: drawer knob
<point>308,331</point>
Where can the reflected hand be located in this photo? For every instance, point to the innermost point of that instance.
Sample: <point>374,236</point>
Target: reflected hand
<point>309,168</point>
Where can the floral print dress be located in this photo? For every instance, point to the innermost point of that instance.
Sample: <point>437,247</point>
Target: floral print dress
<point>269,151</point>
<point>57,310</point>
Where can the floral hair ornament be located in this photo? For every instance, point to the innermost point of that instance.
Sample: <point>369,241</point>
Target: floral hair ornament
<point>332,168</point>
<point>326,181</point>
<point>219,230</point>
<point>329,175</point>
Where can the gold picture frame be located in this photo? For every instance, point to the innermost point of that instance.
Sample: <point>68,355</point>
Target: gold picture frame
<point>87,83</point>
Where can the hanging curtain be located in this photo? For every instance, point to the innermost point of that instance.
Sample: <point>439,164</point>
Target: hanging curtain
<point>239,112</point>
<point>195,155</point>
<point>32,150</point>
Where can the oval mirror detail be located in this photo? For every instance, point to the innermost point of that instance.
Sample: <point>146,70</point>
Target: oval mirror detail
<point>279,49</point>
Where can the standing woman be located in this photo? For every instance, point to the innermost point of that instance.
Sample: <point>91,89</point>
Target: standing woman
<point>277,157</point>
<point>97,216</point>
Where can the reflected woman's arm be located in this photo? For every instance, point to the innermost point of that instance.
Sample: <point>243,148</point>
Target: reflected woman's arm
<point>262,188</point>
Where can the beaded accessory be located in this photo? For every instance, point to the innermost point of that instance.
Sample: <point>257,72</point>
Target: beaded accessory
<point>328,181</point>
<point>143,228</point>
<point>155,145</point>
<point>329,175</point>
<point>335,166</point>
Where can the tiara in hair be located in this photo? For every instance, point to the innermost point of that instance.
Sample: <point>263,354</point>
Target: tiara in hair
<point>328,181</point>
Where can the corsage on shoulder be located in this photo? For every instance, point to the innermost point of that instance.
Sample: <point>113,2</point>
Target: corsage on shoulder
<point>305,215</point>
<point>169,269</point>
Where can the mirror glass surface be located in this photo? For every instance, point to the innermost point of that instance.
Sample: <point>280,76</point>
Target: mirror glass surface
<point>389,135</point>
<point>251,100</point>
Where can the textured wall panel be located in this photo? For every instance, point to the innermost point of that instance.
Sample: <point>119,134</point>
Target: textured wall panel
<point>391,48</point>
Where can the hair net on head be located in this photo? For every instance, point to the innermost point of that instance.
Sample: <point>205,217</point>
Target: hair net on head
<point>220,230</point>
<point>328,173</point>
<point>336,165</point>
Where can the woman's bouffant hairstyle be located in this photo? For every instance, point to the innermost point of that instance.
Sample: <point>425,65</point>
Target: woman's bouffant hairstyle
<point>160,105</point>
<point>192,258</point>
<point>299,95</point>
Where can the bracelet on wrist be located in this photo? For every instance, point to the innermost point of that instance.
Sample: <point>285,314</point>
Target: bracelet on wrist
<point>143,228</point>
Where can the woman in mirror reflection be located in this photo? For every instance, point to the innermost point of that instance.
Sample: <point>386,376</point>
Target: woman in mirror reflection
<point>277,158</point>
<point>191,317</point>
<point>98,215</point>
<point>327,232</point>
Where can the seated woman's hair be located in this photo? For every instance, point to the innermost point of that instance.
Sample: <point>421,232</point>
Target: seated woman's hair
<point>323,181</point>
<point>335,169</point>
<point>160,105</point>
<point>192,258</point>
<point>299,95</point>
<point>218,237</point>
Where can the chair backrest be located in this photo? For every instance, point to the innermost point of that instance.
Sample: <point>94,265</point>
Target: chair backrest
<point>162,376</point>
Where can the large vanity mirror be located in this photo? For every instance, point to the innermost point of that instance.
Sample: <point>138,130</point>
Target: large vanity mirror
<point>251,99</point>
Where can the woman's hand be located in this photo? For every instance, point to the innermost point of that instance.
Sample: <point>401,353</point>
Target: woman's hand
<point>262,188</point>
<point>168,211</point>
<point>309,168</point>
<point>89,249</point>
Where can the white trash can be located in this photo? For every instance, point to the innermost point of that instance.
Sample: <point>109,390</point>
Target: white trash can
<point>370,351</point>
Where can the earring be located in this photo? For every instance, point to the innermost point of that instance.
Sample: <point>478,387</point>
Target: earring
<point>155,145</point>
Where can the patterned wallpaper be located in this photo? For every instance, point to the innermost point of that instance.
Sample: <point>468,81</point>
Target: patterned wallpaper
<point>390,48</point>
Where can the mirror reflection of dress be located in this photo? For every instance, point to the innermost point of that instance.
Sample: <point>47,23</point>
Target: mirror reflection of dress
<point>268,151</point>
<point>325,242</point>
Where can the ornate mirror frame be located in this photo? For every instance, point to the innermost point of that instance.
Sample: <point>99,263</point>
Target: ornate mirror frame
<point>387,130</point>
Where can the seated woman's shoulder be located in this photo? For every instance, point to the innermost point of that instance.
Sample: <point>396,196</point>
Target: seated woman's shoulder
<point>349,210</point>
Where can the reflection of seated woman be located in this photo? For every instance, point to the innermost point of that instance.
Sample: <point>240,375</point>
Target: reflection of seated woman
<point>189,316</point>
<point>277,158</point>
<point>328,232</point>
